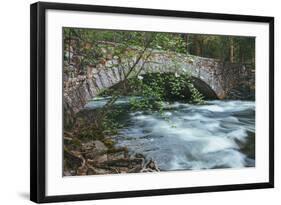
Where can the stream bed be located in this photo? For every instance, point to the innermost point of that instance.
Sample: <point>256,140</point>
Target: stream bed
<point>218,134</point>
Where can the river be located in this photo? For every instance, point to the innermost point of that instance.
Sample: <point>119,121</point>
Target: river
<point>218,134</point>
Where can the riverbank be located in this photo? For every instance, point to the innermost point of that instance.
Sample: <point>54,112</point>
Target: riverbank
<point>94,157</point>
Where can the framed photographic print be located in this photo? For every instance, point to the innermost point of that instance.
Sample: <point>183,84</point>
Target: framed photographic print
<point>129,102</point>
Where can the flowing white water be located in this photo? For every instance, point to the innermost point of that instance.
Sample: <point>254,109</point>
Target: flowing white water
<point>200,136</point>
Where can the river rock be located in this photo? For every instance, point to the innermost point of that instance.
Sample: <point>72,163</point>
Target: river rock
<point>100,146</point>
<point>96,151</point>
<point>94,146</point>
<point>100,159</point>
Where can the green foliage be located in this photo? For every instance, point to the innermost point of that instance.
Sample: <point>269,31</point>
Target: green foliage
<point>110,125</point>
<point>151,94</point>
<point>152,98</point>
<point>171,42</point>
<point>196,96</point>
<point>179,82</point>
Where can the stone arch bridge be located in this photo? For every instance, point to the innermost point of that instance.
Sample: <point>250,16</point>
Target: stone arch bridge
<point>78,90</point>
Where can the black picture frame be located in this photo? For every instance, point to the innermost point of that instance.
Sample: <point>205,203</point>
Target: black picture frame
<point>38,101</point>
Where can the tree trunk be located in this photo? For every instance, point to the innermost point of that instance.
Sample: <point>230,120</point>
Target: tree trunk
<point>186,38</point>
<point>231,52</point>
<point>196,45</point>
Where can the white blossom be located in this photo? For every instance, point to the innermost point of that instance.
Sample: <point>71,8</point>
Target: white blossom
<point>140,77</point>
<point>177,75</point>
